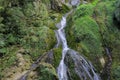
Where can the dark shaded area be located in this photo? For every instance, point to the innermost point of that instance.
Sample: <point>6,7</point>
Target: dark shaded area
<point>116,22</point>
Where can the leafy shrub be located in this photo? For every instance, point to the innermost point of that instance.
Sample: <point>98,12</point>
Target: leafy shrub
<point>47,71</point>
<point>38,40</point>
<point>86,31</point>
<point>104,18</point>
<point>110,34</point>
<point>8,59</point>
<point>83,10</point>
<point>37,14</point>
<point>116,73</point>
<point>14,25</point>
<point>2,42</point>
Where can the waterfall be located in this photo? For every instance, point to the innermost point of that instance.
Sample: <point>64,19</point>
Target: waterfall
<point>84,69</point>
<point>62,71</point>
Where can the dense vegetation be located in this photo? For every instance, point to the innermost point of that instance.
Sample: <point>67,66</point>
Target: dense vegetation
<point>27,32</point>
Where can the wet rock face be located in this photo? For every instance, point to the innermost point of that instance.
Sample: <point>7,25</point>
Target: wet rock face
<point>79,67</point>
<point>71,68</point>
<point>75,2</point>
<point>46,71</point>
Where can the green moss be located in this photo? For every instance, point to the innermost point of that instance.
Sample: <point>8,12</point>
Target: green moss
<point>84,37</point>
<point>109,32</point>
<point>35,9</point>
<point>8,59</point>
<point>47,3</point>
<point>83,10</point>
<point>37,14</point>
<point>55,16</point>
<point>47,71</point>
<point>57,56</point>
<point>104,18</point>
<point>116,72</point>
<point>25,24</point>
<point>65,8</point>
<point>86,32</point>
<point>71,67</point>
<point>14,25</point>
<point>39,40</point>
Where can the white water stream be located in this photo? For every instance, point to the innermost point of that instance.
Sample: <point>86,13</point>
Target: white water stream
<point>84,68</point>
<point>62,71</point>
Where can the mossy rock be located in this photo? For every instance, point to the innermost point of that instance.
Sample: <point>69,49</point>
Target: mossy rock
<point>57,56</point>
<point>71,67</point>
<point>46,72</point>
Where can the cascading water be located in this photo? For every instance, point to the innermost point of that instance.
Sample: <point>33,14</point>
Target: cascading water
<point>62,71</point>
<point>84,68</point>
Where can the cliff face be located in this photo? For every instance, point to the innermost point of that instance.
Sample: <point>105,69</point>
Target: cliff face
<point>27,33</point>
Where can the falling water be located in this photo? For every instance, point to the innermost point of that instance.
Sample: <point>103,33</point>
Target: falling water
<point>83,68</point>
<point>62,71</point>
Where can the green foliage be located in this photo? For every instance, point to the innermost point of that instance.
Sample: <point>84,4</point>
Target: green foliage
<point>110,34</point>
<point>47,71</point>
<point>116,73</point>
<point>36,9</point>
<point>86,31</point>
<point>83,10</point>
<point>57,56</point>
<point>40,39</point>
<point>37,14</point>
<point>65,8</point>
<point>28,10</point>
<point>47,3</point>
<point>15,24</point>
<point>8,59</point>
<point>29,24</point>
<point>24,24</point>
<point>94,2</point>
<point>2,42</point>
<point>104,18</point>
